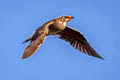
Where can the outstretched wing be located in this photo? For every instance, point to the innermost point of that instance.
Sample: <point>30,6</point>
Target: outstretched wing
<point>77,40</point>
<point>36,41</point>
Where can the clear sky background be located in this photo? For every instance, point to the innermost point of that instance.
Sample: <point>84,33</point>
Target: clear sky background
<point>98,20</point>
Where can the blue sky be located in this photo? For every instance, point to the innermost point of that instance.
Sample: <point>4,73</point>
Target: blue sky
<point>98,20</point>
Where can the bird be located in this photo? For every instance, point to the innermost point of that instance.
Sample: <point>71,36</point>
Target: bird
<point>58,27</point>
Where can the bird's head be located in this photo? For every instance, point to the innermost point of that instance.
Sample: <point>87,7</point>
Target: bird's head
<point>65,19</point>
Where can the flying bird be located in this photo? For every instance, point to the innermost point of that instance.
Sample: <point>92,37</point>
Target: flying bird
<point>57,27</point>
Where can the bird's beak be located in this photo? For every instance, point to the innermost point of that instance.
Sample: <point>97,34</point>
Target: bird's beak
<point>71,18</point>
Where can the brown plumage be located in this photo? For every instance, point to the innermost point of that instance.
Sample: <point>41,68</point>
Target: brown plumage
<point>34,45</point>
<point>77,40</point>
<point>58,27</point>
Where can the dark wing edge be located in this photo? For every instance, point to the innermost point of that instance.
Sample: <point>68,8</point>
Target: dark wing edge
<point>77,40</point>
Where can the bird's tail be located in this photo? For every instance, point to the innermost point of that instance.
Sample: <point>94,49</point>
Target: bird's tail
<point>30,38</point>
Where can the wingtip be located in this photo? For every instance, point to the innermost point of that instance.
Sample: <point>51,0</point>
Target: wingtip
<point>23,42</point>
<point>23,57</point>
<point>100,57</point>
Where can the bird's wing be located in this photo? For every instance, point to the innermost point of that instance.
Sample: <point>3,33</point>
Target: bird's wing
<point>77,40</point>
<point>36,40</point>
<point>34,45</point>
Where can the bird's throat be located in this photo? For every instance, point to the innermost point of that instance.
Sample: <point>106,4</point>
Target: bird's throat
<point>64,23</point>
